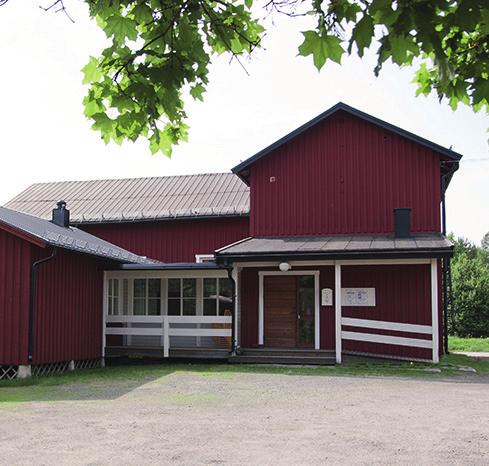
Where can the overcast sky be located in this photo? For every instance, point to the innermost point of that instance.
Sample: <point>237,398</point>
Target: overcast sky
<point>45,137</point>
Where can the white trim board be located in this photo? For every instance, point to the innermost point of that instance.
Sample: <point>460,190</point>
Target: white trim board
<point>386,339</point>
<point>261,305</point>
<point>434,309</point>
<point>384,325</point>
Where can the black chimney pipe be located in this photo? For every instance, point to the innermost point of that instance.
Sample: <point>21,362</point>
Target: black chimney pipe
<point>61,215</point>
<point>402,223</point>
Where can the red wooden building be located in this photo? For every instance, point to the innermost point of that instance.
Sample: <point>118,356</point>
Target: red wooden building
<point>330,241</point>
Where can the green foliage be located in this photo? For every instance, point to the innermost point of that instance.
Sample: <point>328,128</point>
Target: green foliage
<point>470,279</point>
<point>160,50</point>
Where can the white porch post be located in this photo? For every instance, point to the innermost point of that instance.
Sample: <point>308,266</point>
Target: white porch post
<point>434,310</point>
<point>337,295</point>
<point>105,309</point>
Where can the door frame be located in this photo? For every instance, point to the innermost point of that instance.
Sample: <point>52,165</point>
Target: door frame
<point>261,302</point>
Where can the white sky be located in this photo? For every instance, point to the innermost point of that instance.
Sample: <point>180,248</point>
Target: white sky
<point>45,137</point>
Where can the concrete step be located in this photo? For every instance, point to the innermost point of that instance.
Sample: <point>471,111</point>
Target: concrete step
<point>286,352</point>
<point>293,360</point>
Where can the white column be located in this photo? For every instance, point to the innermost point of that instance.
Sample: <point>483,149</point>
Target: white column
<point>434,310</point>
<point>317,303</point>
<point>337,295</point>
<point>166,337</point>
<point>105,310</point>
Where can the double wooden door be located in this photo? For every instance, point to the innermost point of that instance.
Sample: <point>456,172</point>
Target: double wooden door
<point>289,304</point>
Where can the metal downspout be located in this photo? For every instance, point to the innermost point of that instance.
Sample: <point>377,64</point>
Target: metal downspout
<point>32,302</point>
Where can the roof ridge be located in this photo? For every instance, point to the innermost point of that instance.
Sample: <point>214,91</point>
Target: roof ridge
<point>132,178</point>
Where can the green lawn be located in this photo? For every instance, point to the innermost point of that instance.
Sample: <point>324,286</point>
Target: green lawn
<point>45,387</point>
<point>468,344</point>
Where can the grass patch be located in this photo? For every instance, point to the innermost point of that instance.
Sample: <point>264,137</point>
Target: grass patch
<point>468,344</point>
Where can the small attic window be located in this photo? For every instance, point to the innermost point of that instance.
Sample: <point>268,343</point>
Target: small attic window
<point>200,258</point>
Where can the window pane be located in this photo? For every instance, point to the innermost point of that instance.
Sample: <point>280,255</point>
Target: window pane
<point>210,307</point>
<point>139,308</point>
<point>189,288</point>
<point>110,306</point>
<point>173,287</point>
<point>110,287</point>
<point>306,281</point>
<point>125,296</point>
<point>140,288</point>
<point>225,287</point>
<point>115,308</point>
<point>225,307</point>
<point>154,307</point>
<point>154,288</point>
<point>189,307</point>
<point>116,288</point>
<point>210,287</point>
<point>174,307</point>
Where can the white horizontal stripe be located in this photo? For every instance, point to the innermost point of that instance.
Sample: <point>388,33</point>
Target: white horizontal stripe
<point>133,331</point>
<point>386,339</point>
<point>200,319</point>
<point>381,324</point>
<point>135,319</point>
<point>200,332</point>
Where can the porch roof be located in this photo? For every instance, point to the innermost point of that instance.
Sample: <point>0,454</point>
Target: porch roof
<point>336,247</point>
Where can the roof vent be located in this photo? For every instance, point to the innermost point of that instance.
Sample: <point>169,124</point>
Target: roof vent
<point>402,223</point>
<point>61,215</point>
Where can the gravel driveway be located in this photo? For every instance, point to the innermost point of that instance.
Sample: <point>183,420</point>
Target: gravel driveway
<point>192,418</point>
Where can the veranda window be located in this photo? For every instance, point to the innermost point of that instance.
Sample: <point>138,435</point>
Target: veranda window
<point>147,296</point>
<point>113,295</point>
<point>182,296</point>
<point>217,296</point>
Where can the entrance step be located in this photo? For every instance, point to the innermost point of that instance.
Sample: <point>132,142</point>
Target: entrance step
<point>284,356</point>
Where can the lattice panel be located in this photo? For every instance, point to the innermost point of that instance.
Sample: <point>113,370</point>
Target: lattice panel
<point>88,363</point>
<point>40,370</point>
<point>8,372</point>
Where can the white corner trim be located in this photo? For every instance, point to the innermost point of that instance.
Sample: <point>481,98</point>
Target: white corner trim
<point>384,325</point>
<point>337,306</point>
<point>434,309</point>
<point>386,339</point>
<point>260,309</point>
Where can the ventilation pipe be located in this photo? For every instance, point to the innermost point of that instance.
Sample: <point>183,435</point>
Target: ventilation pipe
<point>61,215</point>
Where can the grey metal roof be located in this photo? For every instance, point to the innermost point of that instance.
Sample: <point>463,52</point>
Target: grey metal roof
<point>131,199</point>
<point>70,238</point>
<point>335,246</point>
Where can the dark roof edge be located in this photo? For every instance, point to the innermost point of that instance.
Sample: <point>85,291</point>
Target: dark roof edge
<point>353,111</point>
<point>172,266</point>
<point>338,255</point>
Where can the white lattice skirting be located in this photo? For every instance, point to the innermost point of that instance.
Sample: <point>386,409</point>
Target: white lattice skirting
<point>8,372</point>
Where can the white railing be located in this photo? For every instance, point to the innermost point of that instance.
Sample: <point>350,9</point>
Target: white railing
<point>166,329</point>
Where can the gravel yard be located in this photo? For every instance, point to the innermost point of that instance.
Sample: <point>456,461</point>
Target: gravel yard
<point>187,417</point>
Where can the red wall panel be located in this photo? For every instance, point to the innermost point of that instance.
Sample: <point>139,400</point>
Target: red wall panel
<point>68,318</point>
<point>344,176</point>
<point>15,260</point>
<point>174,240</point>
<point>402,294</point>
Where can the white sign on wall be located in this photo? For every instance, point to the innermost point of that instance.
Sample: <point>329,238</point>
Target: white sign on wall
<point>326,297</point>
<point>358,296</point>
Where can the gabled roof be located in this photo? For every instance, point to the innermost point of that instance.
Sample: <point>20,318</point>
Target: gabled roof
<point>340,106</point>
<point>44,232</point>
<point>336,247</point>
<point>138,199</point>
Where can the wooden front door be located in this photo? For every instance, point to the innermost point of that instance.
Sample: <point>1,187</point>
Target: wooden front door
<point>280,309</point>
<point>288,302</point>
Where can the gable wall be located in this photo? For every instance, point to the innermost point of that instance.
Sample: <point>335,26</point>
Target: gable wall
<point>15,260</point>
<point>344,176</point>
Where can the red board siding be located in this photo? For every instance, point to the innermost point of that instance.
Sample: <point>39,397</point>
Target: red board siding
<point>15,260</point>
<point>68,322</point>
<point>175,240</point>
<point>402,294</point>
<point>344,176</point>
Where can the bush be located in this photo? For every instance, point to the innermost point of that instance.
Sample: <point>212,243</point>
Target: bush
<point>470,281</point>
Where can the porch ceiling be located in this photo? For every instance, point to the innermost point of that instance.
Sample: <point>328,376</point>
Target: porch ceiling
<point>330,247</point>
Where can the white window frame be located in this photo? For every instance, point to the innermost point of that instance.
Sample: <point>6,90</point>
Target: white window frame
<point>201,258</point>
<point>146,297</point>
<point>181,298</point>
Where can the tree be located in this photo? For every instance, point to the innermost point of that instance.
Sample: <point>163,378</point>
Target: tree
<point>161,50</point>
<point>485,242</point>
<point>470,278</point>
